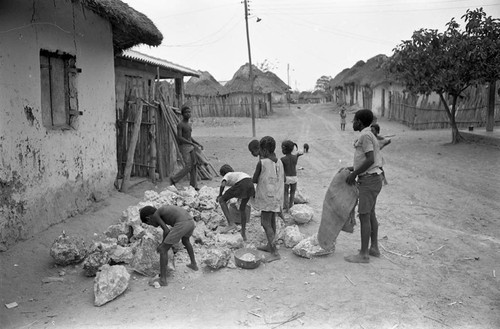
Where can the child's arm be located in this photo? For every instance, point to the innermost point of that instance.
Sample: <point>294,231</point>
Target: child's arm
<point>157,219</point>
<point>221,189</point>
<point>256,174</point>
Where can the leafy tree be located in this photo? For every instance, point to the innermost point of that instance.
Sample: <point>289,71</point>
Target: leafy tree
<point>445,63</point>
<point>485,32</point>
<point>323,83</point>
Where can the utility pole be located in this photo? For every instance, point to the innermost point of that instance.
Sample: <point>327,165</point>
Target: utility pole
<point>251,73</point>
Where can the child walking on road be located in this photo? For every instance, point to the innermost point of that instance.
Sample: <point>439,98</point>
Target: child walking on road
<point>290,168</point>
<point>270,179</point>
<point>241,187</point>
<point>343,116</point>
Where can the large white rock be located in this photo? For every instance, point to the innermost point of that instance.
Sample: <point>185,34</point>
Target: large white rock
<point>68,250</point>
<point>301,213</point>
<point>146,259</point>
<point>292,236</point>
<point>110,283</point>
<point>122,254</point>
<point>300,197</point>
<point>94,261</point>
<point>231,241</point>
<point>217,258</point>
<point>309,248</point>
<point>115,230</point>
<point>200,233</point>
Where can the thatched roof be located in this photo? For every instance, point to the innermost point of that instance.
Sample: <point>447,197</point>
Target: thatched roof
<point>368,74</point>
<point>263,83</point>
<point>205,85</point>
<point>277,80</point>
<point>130,27</point>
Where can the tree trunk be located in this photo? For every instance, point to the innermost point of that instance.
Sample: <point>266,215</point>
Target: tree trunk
<point>490,116</point>
<point>456,137</point>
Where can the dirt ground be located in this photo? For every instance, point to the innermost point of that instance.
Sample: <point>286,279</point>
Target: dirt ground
<point>439,232</point>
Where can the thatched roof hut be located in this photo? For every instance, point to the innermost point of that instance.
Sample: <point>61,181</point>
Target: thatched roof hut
<point>204,85</point>
<point>277,80</point>
<point>263,83</point>
<point>368,74</point>
<point>130,27</point>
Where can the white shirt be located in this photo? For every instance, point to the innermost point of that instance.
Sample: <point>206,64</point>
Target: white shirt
<point>233,177</point>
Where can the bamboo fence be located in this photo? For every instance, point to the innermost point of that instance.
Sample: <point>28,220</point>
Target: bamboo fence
<point>419,113</point>
<point>233,105</point>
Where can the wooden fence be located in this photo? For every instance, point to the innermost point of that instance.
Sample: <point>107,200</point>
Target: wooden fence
<point>237,105</point>
<point>418,112</point>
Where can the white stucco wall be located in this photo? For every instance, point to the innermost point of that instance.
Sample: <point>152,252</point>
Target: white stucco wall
<point>47,175</point>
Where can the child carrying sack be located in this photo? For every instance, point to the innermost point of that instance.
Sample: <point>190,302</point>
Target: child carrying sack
<point>338,210</point>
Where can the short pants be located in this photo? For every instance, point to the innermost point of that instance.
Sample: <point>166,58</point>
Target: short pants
<point>182,229</point>
<point>369,187</point>
<point>243,189</point>
<point>291,180</point>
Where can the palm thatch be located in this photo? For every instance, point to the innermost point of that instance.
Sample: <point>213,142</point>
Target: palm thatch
<point>130,27</point>
<point>277,80</point>
<point>368,74</point>
<point>263,84</point>
<point>205,85</point>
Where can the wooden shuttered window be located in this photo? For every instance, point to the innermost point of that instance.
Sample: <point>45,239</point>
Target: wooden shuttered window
<point>59,94</point>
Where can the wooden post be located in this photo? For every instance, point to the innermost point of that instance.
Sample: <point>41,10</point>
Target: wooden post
<point>152,143</point>
<point>131,148</point>
<point>490,111</point>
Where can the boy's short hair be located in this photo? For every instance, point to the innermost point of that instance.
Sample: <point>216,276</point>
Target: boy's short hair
<point>287,146</point>
<point>253,145</point>
<point>184,109</point>
<point>146,212</point>
<point>267,143</point>
<point>376,127</point>
<point>225,169</point>
<point>365,116</point>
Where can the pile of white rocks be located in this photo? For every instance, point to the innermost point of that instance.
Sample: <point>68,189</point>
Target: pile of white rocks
<point>130,245</point>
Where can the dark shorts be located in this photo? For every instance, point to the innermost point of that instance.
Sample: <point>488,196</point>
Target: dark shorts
<point>369,187</point>
<point>180,230</point>
<point>243,189</point>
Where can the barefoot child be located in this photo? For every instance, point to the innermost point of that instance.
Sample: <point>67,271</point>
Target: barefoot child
<point>182,225</point>
<point>270,179</point>
<point>241,187</point>
<point>366,167</point>
<point>290,168</point>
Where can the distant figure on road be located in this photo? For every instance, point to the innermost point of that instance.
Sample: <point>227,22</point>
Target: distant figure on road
<point>343,117</point>
<point>187,146</point>
<point>366,167</point>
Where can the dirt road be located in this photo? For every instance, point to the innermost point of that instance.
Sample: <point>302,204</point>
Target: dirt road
<point>439,228</point>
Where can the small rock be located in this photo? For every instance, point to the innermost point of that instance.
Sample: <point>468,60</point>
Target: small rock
<point>110,283</point>
<point>301,213</point>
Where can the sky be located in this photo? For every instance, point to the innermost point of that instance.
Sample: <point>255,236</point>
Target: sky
<point>300,40</point>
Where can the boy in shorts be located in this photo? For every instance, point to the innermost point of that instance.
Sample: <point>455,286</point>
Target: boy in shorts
<point>366,168</point>
<point>182,225</point>
<point>241,187</point>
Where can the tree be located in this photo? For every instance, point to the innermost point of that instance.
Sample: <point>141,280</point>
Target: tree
<point>323,83</point>
<point>485,32</point>
<point>267,66</point>
<point>445,63</point>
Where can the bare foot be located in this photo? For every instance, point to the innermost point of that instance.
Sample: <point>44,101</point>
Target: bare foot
<point>357,259</point>
<point>264,248</point>
<point>194,267</point>
<point>228,228</point>
<point>374,252</point>
<point>163,282</point>
<point>244,237</point>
